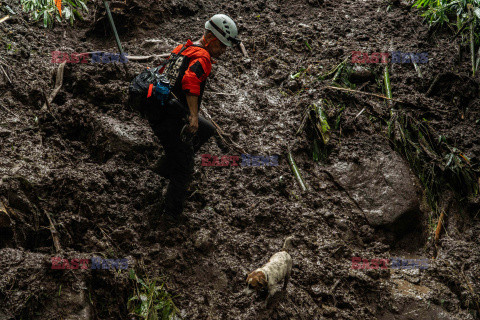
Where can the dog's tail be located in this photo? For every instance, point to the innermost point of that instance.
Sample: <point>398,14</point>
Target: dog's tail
<point>288,244</point>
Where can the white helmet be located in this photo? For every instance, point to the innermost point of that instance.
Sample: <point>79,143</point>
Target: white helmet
<point>223,28</point>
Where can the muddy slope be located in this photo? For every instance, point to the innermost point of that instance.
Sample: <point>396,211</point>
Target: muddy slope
<point>85,163</point>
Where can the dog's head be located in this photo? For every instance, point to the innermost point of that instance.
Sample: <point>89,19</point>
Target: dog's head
<point>257,281</point>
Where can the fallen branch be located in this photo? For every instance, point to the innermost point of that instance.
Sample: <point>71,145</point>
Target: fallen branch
<point>222,93</point>
<point>358,115</point>
<point>4,19</point>
<point>296,172</point>
<point>434,82</point>
<point>439,227</point>
<point>365,93</point>
<point>54,232</point>
<point>6,75</point>
<point>3,213</point>
<point>140,58</point>
<point>222,135</point>
<point>58,85</point>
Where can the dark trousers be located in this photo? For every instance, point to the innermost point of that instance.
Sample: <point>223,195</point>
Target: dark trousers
<point>167,123</point>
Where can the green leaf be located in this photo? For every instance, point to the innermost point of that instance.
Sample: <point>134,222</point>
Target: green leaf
<point>308,46</point>
<point>132,274</point>
<point>84,6</point>
<point>77,14</point>
<point>45,19</point>
<point>477,12</point>
<point>66,13</point>
<point>316,150</point>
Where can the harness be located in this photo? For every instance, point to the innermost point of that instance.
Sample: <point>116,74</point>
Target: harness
<point>175,69</point>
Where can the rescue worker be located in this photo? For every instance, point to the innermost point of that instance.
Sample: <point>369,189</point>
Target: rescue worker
<point>182,140</point>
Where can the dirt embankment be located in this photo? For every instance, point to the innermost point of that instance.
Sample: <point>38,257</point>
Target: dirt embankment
<point>85,162</point>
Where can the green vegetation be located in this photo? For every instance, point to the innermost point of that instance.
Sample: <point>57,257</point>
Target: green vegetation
<point>150,301</point>
<point>315,124</point>
<point>462,16</point>
<point>47,10</point>
<point>438,165</point>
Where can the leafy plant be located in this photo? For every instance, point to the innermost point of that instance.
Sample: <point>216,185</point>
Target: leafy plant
<point>453,13</point>
<point>150,301</point>
<point>48,12</point>
<point>438,165</point>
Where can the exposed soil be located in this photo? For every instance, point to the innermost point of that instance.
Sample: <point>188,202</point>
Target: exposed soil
<point>85,162</point>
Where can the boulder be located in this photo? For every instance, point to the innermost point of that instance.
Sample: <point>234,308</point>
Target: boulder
<point>382,185</point>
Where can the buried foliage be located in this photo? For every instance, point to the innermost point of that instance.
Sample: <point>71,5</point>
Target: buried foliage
<point>438,165</point>
<point>316,126</point>
<point>151,301</point>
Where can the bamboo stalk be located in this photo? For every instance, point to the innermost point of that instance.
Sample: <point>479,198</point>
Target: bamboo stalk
<point>388,88</point>
<point>477,64</point>
<point>112,24</point>
<point>323,76</point>
<point>339,71</point>
<point>472,40</point>
<point>463,27</point>
<point>296,172</point>
<point>439,227</point>
<point>386,79</point>
<point>417,68</point>
<point>365,93</point>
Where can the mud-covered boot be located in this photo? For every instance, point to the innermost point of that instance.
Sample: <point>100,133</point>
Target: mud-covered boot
<point>161,167</point>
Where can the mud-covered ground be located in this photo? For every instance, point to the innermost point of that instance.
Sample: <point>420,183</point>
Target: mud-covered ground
<point>84,162</point>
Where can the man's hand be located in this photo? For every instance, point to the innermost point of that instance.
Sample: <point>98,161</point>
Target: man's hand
<point>193,127</point>
<point>192,102</point>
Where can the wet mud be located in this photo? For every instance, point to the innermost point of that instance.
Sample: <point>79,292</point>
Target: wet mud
<point>84,164</point>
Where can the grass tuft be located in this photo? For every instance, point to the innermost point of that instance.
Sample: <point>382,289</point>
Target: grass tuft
<point>151,301</point>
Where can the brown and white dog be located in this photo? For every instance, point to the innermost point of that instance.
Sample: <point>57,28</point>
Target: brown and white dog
<point>278,268</point>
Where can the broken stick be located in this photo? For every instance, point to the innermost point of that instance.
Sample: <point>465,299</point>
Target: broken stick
<point>140,58</point>
<point>54,232</point>
<point>222,135</point>
<point>244,51</point>
<point>439,227</point>
<point>58,85</point>
<point>365,93</point>
<point>4,19</point>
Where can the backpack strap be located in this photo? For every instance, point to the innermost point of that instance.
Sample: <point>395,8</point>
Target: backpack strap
<point>170,62</point>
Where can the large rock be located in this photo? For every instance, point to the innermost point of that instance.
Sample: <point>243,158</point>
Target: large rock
<point>382,185</point>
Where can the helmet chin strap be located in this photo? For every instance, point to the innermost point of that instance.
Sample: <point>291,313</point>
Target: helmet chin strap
<point>206,44</point>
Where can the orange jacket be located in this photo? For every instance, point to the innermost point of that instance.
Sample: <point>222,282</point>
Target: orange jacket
<point>198,70</point>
